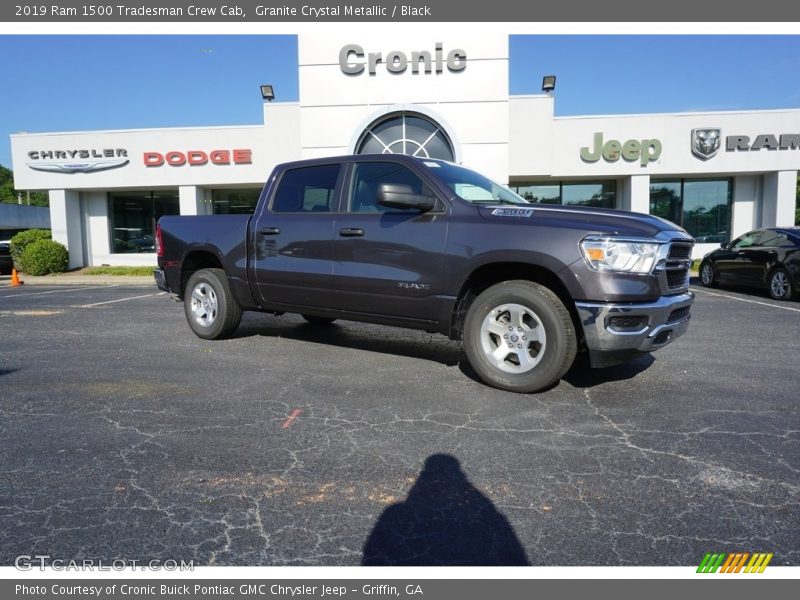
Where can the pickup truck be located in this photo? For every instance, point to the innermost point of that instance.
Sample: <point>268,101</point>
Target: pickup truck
<point>427,244</point>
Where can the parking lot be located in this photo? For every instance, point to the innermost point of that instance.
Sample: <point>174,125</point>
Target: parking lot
<point>125,436</point>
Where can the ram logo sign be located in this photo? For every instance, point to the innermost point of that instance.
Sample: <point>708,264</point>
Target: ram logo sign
<point>706,142</point>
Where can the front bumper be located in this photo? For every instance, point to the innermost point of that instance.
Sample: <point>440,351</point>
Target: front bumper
<point>614,332</point>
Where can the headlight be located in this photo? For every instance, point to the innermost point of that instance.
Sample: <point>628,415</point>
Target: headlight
<point>624,256</point>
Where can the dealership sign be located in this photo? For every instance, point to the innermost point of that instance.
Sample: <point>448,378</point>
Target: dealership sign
<point>82,160</point>
<point>196,158</point>
<point>644,151</point>
<point>354,60</point>
<point>706,142</point>
<point>785,141</point>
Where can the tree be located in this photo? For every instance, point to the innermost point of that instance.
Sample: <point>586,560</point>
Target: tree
<point>8,195</point>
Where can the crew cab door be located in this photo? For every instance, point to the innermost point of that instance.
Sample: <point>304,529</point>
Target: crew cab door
<point>389,261</point>
<point>293,238</point>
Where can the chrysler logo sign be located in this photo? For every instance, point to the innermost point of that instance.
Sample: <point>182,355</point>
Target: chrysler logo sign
<point>77,161</point>
<point>706,142</point>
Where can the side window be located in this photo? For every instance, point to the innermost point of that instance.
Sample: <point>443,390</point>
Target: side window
<point>776,239</point>
<point>747,240</point>
<point>309,189</point>
<point>369,176</point>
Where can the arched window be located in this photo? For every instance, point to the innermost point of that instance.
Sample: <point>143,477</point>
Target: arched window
<point>406,133</point>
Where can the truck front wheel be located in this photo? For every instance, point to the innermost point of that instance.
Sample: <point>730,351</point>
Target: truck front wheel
<point>519,336</point>
<point>210,307</point>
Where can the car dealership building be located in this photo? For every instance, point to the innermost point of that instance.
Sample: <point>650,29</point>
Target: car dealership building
<point>717,174</point>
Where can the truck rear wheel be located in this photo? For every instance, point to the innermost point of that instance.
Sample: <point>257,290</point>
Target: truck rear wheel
<point>519,336</point>
<point>210,307</point>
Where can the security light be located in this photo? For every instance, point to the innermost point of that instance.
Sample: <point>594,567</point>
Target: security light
<point>267,93</point>
<point>548,83</point>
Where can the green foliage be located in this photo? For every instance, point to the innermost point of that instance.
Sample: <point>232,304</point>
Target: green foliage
<point>797,204</point>
<point>119,271</point>
<point>8,194</point>
<point>20,241</point>
<point>43,257</point>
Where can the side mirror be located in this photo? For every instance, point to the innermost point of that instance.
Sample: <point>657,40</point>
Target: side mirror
<point>724,245</point>
<point>400,195</point>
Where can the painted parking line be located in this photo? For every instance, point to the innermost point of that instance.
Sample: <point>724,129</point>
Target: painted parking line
<point>746,300</point>
<point>29,313</point>
<point>78,289</point>
<point>119,300</point>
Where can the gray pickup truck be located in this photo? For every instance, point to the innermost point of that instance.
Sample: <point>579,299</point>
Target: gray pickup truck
<point>431,245</point>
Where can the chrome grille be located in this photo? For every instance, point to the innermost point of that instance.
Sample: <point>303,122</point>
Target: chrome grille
<point>676,260</point>
<point>679,252</point>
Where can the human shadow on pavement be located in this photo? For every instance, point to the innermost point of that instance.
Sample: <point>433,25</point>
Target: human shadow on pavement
<point>444,520</point>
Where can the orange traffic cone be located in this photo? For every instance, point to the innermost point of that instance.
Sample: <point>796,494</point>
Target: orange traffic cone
<point>15,282</point>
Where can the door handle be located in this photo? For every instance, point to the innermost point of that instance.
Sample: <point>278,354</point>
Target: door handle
<point>351,232</point>
<point>270,231</point>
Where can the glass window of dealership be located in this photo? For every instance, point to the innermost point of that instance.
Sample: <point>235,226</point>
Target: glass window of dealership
<point>133,215</point>
<point>701,206</point>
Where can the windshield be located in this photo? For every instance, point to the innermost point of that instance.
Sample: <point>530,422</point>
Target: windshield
<point>471,186</point>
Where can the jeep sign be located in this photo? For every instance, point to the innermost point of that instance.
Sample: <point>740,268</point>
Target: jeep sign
<point>645,150</point>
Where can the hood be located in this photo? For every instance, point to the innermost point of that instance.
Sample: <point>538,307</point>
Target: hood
<point>599,221</point>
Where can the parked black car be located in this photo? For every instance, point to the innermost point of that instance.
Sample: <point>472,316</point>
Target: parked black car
<point>6,264</point>
<point>766,258</point>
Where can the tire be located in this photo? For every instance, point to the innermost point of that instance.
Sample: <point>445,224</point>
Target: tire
<point>779,284</point>
<point>523,310</point>
<point>314,320</point>
<point>210,308</point>
<point>707,275</point>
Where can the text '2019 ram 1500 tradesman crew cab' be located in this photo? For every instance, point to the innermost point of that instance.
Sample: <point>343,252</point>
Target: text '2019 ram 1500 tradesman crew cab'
<point>431,245</point>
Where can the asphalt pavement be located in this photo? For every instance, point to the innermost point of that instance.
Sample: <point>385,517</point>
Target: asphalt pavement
<point>125,436</point>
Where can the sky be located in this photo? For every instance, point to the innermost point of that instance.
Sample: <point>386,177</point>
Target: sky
<point>74,83</point>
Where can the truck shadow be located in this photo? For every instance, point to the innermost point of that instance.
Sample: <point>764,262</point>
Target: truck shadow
<point>356,336</point>
<point>581,375</point>
<point>416,344</point>
<point>443,521</point>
